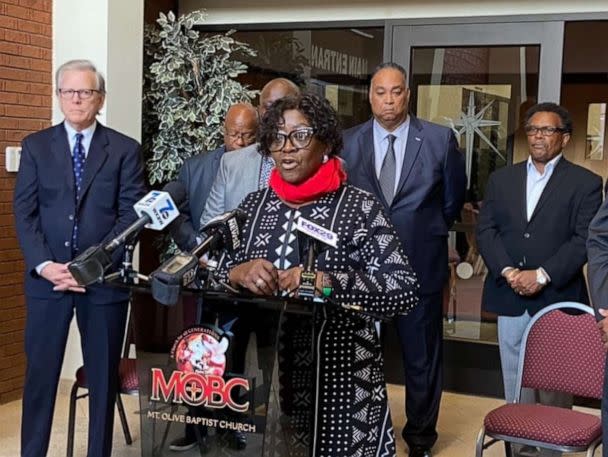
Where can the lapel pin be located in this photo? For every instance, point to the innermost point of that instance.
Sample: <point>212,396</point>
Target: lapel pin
<point>417,139</point>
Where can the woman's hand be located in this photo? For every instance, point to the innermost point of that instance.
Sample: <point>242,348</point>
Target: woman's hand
<point>259,276</point>
<point>289,280</point>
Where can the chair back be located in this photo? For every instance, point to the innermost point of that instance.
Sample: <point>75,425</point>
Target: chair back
<point>563,352</point>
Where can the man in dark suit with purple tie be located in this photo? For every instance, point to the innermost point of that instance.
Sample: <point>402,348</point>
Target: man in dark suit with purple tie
<point>76,187</point>
<point>415,169</point>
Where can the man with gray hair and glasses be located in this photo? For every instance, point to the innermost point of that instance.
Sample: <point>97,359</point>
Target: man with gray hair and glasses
<point>76,187</point>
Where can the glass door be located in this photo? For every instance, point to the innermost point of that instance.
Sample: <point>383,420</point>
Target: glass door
<point>477,79</point>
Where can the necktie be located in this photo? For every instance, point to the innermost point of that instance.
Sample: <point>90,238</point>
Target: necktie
<point>267,166</point>
<point>388,170</point>
<point>78,159</point>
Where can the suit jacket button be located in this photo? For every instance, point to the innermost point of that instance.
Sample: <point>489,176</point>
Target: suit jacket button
<point>66,244</point>
<point>71,217</point>
<point>526,235</point>
<point>521,264</point>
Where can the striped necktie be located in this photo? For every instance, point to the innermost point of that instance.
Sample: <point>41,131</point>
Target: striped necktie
<point>78,160</point>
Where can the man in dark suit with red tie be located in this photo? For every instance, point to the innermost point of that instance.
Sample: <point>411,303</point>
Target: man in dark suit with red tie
<point>415,169</point>
<point>76,187</point>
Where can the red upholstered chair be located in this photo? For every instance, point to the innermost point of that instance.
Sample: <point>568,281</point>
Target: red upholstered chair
<point>129,384</point>
<point>562,353</point>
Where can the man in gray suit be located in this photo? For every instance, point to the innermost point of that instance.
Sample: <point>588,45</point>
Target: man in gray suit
<point>198,172</point>
<point>246,170</point>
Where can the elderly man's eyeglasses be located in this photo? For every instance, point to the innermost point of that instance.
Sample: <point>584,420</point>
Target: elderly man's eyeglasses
<point>83,94</point>
<point>299,138</point>
<point>246,137</point>
<point>532,130</point>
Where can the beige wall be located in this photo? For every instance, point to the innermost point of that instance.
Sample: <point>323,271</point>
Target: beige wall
<point>114,42</point>
<point>260,11</point>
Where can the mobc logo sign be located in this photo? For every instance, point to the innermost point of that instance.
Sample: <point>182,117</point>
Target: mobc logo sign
<point>200,358</point>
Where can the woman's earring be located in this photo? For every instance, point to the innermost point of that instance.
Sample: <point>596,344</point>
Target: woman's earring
<point>325,158</point>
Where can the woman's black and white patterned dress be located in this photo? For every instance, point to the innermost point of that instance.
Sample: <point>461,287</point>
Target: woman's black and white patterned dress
<point>343,407</point>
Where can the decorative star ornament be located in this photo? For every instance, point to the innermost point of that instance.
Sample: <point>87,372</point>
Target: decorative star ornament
<point>596,145</point>
<point>470,124</point>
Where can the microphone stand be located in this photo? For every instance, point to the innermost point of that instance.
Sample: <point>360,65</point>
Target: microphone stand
<point>126,274</point>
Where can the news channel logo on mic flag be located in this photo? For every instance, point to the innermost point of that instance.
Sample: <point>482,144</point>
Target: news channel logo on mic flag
<point>159,207</point>
<point>317,232</point>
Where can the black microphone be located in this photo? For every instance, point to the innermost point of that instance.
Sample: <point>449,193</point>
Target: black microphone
<point>223,231</point>
<point>308,277</point>
<point>156,211</point>
<point>310,235</point>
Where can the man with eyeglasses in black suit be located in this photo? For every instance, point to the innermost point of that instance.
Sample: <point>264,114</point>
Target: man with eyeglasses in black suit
<point>532,230</point>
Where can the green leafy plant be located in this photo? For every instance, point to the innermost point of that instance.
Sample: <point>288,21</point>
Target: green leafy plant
<point>190,81</point>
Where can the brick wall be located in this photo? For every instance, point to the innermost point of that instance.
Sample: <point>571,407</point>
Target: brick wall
<point>25,107</point>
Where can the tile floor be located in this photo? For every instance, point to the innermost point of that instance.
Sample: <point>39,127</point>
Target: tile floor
<point>459,423</point>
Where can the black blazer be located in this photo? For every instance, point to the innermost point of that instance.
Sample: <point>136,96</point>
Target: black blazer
<point>45,207</point>
<point>429,196</point>
<point>554,238</point>
<point>197,175</point>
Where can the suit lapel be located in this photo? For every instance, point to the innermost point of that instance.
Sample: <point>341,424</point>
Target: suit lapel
<point>217,158</point>
<point>60,149</point>
<point>96,156</point>
<point>520,190</point>
<point>552,186</point>
<point>415,138</point>
<point>256,159</point>
<point>366,146</point>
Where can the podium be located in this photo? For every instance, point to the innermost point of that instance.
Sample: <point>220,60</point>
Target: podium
<point>223,363</point>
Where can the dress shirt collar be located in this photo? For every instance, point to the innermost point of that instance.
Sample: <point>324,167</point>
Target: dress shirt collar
<point>87,136</point>
<point>400,132</point>
<point>549,166</point>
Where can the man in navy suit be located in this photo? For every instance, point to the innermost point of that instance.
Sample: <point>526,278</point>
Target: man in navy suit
<point>197,176</point>
<point>76,187</point>
<point>415,169</point>
<point>532,230</point>
<point>198,172</point>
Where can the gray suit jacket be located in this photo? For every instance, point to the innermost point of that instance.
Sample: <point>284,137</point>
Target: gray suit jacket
<point>238,176</point>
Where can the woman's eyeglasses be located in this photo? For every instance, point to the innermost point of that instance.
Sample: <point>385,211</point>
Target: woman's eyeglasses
<point>299,138</point>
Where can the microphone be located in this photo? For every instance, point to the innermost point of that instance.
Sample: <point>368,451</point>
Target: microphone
<point>156,211</point>
<point>182,269</point>
<point>312,235</point>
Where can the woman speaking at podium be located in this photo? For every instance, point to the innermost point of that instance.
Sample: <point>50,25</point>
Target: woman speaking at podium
<point>360,267</point>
